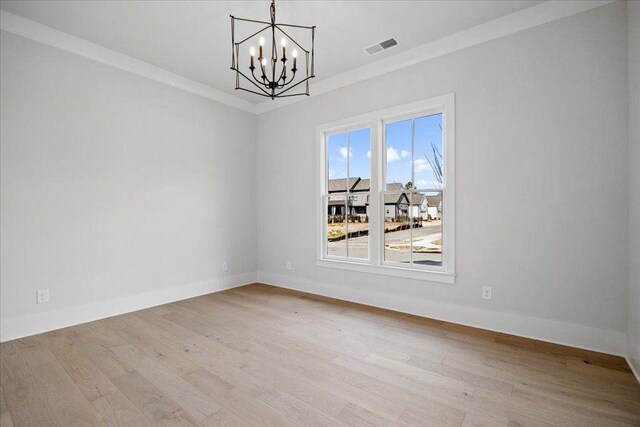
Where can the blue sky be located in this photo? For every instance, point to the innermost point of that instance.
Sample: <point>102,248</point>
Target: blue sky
<point>398,137</point>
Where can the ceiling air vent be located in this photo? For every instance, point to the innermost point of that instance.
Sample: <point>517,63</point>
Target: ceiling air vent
<point>383,45</point>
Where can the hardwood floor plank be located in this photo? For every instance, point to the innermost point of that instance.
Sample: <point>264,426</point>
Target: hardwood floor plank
<point>87,377</point>
<point>356,416</point>
<point>5,416</point>
<point>192,400</point>
<point>28,404</point>
<point>116,410</point>
<point>152,402</point>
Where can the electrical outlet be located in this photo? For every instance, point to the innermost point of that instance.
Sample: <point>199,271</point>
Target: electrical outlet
<point>288,265</point>
<point>487,292</point>
<point>224,266</point>
<point>42,296</point>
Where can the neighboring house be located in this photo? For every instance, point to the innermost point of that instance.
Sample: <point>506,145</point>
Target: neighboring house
<point>434,207</point>
<point>396,205</point>
<point>419,207</point>
<point>357,205</point>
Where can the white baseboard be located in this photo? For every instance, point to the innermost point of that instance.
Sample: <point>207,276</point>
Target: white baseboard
<point>42,322</point>
<point>580,336</point>
<point>633,356</point>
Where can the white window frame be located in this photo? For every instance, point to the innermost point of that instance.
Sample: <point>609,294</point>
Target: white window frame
<point>375,120</point>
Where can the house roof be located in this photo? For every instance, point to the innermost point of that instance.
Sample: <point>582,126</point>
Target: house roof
<point>417,198</point>
<point>395,186</point>
<point>356,184</point>
<point>393,199</point>
<point>359,184</point>
<point>340,185</point>
<point>434,201</point>
<point>362,185</point>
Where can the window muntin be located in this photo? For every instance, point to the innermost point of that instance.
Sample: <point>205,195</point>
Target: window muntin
<point>347,194</point>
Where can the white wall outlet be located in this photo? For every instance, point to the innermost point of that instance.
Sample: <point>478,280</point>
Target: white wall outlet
<point>289,266</point>
<point>487,292</point>
<point>224,266</point>
<point>42,296</point>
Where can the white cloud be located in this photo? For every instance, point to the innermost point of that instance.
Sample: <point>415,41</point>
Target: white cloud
<point>404,153</point>
<point>343,152</point>
<point>392,154</point>
<point>421,165</point>
<point>369,154</point>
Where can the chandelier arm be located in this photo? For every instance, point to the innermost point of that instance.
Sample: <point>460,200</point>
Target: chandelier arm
<point>313,50</point>
<point>291,87</point>
<point>295,26</point>
<point>293,76</point>
<point>291,94</point>
<point>254,34</point>
<point>283,72</point>
<point>250,81</point>
<point>291,38</point>
<point>251,20</point>
<point>233,35</point>
<point>266,95</point>
<point>253,74</point>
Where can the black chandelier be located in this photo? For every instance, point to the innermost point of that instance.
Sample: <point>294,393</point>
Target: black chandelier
<point>271,79</point>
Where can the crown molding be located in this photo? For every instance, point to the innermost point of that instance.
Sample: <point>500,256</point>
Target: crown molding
<point>509,24</point>
<point>491,30</point>
<point>43,34</point>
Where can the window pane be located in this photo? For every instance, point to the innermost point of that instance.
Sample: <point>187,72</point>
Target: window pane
<point>337,165</point>
<point>426,213</point>
<point>358,216</point>
<point>360,156</point>
<point>398,149</point>
<point>397,233</point>
<point>336,226</point>
<point>427,156</point>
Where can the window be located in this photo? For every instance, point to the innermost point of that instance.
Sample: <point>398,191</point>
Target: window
<point>386,187</point>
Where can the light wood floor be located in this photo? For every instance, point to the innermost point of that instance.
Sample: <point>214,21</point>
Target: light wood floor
<point>264,356</point>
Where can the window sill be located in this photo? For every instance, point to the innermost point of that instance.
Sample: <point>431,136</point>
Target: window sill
<point>407,273</point>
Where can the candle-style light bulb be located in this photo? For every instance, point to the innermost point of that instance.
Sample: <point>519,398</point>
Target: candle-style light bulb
<point>252,51</point>
<point>294,53</point>
<point>283,42</point>
<point>263,63</point>
<point>295,58</point>
<point>261,41</point>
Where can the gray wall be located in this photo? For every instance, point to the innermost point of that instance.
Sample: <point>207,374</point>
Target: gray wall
<point>542,182</point>
<point>114,185</point>
<point>634,182</point>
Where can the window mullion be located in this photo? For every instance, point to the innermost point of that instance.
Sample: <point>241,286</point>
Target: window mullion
<point>413,180</point>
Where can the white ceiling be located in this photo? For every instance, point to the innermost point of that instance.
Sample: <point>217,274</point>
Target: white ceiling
<point>192,38</point>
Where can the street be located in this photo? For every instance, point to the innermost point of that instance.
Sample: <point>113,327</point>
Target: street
<point>358,246</point>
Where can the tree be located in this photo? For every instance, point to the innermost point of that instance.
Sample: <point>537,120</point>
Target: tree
<point>408,185</point>
<point>436,163</point>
